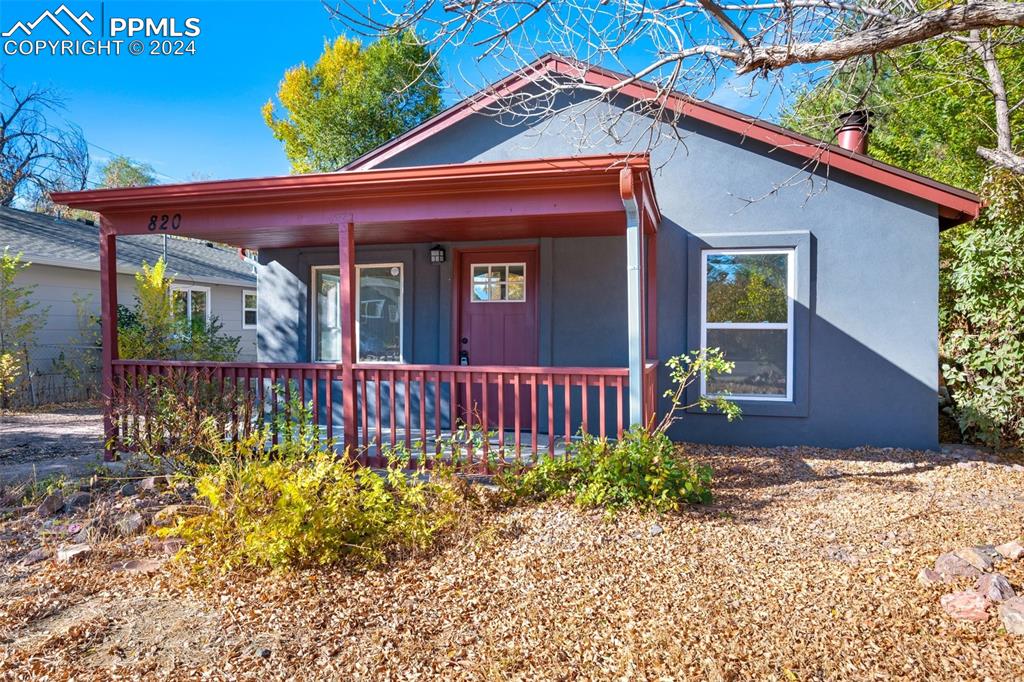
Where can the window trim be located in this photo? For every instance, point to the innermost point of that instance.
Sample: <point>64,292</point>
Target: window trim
<point>256,310</point>
<point>791,295</point>
<point>314,317</point>
<point>505,265</point>
<point>188,308</point>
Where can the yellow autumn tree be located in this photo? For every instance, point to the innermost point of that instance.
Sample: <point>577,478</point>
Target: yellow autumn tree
<point>353,99</point>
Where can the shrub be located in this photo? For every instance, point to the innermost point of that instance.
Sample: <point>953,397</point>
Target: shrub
<point>20,319</point>
<point>185,421</point>
<point>151,331</point>
<point>643,469</point>
<point>983,317</point>
<point>272,512</point>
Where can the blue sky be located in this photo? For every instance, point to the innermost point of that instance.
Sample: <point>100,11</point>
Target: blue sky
<point>196,114</point>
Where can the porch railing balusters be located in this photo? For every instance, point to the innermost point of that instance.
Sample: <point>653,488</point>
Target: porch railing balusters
<point>468,412</point>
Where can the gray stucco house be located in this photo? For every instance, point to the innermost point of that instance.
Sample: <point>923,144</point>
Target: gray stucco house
<point>501,272</point>
<point>210,279</point>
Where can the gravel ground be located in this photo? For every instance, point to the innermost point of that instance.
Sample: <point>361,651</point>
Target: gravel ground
<point>62,441</point>
<point>803,569</point>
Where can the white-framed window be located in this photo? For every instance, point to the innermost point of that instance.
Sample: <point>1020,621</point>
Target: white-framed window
<point>498,283</point>
<point>380,291</point>
<point>747,312</point>
<point>249,308</point>
<point>190,304</point>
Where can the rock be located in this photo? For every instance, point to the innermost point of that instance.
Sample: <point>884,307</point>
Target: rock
<point>994,587</point>
<point>128,489</point>
<point>35,556</point>
<point>73,553</point>
<point>1012,614</point>
<point>841,554</point>
<point>168,516</point>
<point>51,504</point>
<point>965,606</point>
<point>950,565</point>
<point>977,556</point>
<point>170,545</point>
<point>928,577</point>
<point>1012,550</point>
<point>655,529</point>
<point>151,483</point>
<point>78,500</point>
<point>263,652</point>
<point>131,524</point>
<point>138,566</point>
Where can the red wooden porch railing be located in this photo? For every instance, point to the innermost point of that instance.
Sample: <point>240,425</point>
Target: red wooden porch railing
<point>483,417</point>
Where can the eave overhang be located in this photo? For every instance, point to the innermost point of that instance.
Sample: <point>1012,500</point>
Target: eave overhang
<point>572,196</point>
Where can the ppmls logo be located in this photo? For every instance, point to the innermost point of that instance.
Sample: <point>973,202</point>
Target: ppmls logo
<point>164,36</point>
<point>69,16</point>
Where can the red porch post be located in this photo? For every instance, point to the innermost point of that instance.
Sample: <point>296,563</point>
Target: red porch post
<point>652,296</point>
<point>347,291</point>
<point>108,317</point>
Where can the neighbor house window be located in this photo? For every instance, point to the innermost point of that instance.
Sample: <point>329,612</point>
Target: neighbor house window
<point>248,309</point>
<point>379,297</point>
<point>191,304</point>
<point>747,313</point>
<point>499,282</point>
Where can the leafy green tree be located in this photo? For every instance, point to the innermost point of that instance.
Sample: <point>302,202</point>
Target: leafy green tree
<point>20,320</point>
<point>353,99</point>
<point>933,109</point>
<point>151,331</point>
<point>122,171</point>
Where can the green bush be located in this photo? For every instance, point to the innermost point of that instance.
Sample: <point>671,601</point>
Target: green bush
<point>641,470</point>
<point>983,317</point>
<point>151,331</point>
<point>270,512</point>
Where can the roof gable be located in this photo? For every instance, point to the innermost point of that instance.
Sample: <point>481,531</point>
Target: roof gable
<point>955,205</point>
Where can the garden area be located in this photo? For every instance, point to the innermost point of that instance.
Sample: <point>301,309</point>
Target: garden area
<point>804,566</point>
<point>272,557</point>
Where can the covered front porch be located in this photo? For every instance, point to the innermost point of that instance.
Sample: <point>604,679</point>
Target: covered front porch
<point>487,406</point>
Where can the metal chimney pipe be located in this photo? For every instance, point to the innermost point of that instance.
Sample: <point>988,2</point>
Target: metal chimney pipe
<point>852,133</point>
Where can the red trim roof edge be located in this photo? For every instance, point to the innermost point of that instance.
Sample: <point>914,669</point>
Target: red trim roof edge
<point>537,169</point>
<point>958,205</point>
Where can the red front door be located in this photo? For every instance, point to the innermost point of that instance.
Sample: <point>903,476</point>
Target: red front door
<point>497,319</point>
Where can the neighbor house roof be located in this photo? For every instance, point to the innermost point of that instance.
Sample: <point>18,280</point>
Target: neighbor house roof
<point>955,205</point>
<point>46,240</point>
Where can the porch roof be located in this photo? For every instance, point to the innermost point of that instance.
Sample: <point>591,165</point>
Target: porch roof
<point>556,197</point>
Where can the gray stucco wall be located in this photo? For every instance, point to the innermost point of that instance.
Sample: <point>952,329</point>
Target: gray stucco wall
<point>570,271</point>
<point>55,287</point>
<point>866,359</point>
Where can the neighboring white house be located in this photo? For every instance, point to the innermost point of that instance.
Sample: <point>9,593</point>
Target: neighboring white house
<point>209,279</point>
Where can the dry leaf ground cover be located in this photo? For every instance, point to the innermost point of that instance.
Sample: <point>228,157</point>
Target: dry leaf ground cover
<point>803,568</point>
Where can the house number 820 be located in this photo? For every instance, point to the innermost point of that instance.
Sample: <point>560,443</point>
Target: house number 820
<point>162,222</point>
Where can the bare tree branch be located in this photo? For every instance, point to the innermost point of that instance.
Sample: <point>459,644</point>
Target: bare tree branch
<point>37,153</point>
<point>698,47</point>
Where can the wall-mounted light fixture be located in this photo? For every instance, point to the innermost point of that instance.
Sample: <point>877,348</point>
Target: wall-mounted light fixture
<point>437,255</point>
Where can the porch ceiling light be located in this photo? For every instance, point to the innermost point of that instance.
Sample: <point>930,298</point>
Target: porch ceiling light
<point>437,254</point>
